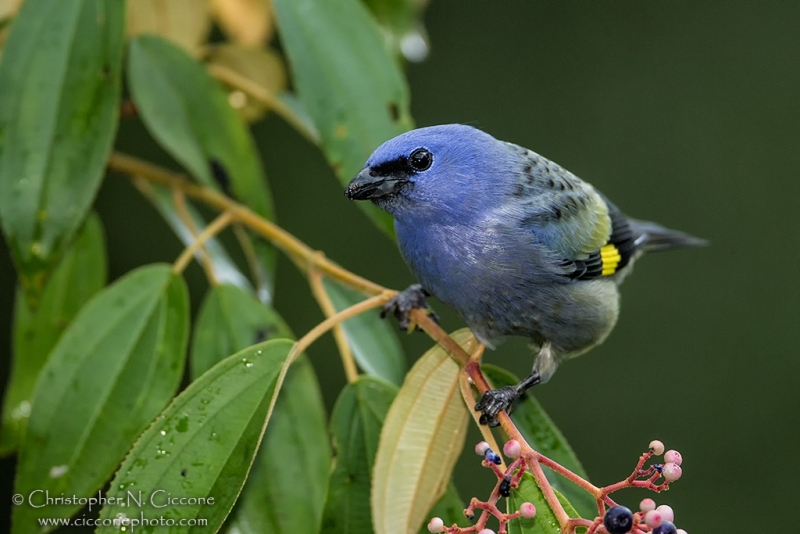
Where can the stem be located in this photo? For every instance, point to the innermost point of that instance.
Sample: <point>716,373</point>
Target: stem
<point>318,289</point>
<point>315,333</point>
<point>216,226</point>
<point>277,235</point>
<point>179,199</point>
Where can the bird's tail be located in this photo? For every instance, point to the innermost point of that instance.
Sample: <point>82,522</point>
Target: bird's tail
<point>651,237</point>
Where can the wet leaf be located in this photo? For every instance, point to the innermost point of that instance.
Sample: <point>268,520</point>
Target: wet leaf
<point>247,22</point>
<point>373,341</point>
<point>422,437</point>
<point>79,275</point>
<point>286,489</point>
<point>231,320</point>
<point>352,87</point>
<point>542,434</point>
<point>262,67</point>
<point>58,115</point>
<point>115,367</point>
<point>356,424</point>
<point>185,22</point>
<point>203,444</point>
<point>188,113</point>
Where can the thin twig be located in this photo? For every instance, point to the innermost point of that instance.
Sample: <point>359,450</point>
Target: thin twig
<point>278,236</point>
<point>325,303</point>
<point>216,226</point>
<point>315,333</point>
<point>179,199</point>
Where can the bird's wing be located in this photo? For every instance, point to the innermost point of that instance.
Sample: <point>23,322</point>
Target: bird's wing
<point>589,235</point>
<point>615,254</point>
<point>565,213</point>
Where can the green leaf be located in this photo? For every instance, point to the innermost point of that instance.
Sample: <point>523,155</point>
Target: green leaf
<point>450,509</point>
<point>80,274</point>
<point>115,367</point>
<point>356,424</point>
<point>373,341</point>
<point>225,270</point>
<point>231,320</point>
<point>202,445</point>
<point>544,522</point>
<point>352,87</point>
<point>286,489</point>
<point>287,496</point>
<point>188,113</point>
<point>542,434</point>
<point>59,107</point>
<point>421,439</point>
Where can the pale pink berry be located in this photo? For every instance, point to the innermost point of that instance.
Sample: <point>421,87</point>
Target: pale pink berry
<point>646,505</point>
<point>656,447</point>
<point>527,510</point>
<point>436,525</point>
<point>653,518</point>
<point>512,448</point>
<point>681,531</point>
<point>486,531</point>
<point>481,448</point>
<point>672,472</point>
<point>666,512</point>
<point>674,457</point>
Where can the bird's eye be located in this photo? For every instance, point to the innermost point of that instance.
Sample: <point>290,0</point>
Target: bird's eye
<point>420,160</point>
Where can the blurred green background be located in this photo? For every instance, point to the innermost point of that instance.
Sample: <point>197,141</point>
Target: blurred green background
<point>684,113</point>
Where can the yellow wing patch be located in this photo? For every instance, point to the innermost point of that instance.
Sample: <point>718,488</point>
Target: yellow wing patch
<point>610,257</point>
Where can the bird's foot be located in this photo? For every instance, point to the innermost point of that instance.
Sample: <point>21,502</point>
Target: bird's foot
<point>494,401</point>
<point>412,298</point>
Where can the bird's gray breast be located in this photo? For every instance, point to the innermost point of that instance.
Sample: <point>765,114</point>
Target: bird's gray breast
<point>503,283</point>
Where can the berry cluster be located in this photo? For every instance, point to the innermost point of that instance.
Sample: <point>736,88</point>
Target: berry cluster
<point>650,519</point>
<point>506,480</point>
<point>657,520</point>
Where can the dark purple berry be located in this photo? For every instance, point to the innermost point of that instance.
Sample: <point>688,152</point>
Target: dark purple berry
<point>619,520</point>
<point>492,457</point>
<point>666,527</point>
<point>505,486</point>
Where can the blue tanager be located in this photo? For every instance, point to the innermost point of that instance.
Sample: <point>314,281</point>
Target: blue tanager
<point>515,243</point>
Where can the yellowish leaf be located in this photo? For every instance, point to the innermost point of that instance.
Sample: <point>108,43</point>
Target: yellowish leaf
<point>261,67</point>
<point>186,22</point>
<point>9,8</point>
<point>422,437</point>
<point>247,22</point>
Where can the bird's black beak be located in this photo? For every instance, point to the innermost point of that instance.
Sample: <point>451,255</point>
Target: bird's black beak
<point>368,185</point>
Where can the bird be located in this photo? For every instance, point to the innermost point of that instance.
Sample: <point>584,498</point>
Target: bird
<point>515,243</point>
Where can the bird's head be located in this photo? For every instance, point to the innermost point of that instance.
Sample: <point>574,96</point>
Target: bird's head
<point>432,172</point>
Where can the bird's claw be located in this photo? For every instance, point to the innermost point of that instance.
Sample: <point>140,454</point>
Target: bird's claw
<point>493,402</point>
<point>412,298</point>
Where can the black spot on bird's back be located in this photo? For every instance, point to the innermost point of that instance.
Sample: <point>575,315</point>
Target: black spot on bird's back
<point>551,183</point>
<point>561,186</point>
<point>519,191</point>
<point>557,212</point>
<point>527,169</point>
